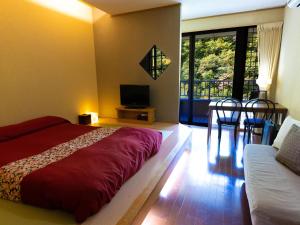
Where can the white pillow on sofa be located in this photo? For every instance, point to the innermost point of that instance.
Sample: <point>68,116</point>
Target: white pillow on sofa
<point>283,131</point>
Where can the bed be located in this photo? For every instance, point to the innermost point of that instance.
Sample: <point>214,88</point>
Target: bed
<point>51,163</point>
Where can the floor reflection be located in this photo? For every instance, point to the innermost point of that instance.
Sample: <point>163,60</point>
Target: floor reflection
<point>205,185</point>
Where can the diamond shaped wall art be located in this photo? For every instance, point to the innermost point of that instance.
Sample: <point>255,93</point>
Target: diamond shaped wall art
<point>155,62</point>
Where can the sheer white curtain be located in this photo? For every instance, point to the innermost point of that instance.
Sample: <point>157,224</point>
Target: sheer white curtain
<point>269,40</point>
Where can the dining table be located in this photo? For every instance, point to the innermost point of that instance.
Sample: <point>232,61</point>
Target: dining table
<point>280,112</point>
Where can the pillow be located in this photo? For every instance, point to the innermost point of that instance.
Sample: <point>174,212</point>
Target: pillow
<point>289,153</point>
<point>17,130</point>
<point>283,131</point>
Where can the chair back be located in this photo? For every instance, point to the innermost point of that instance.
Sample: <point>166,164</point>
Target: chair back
<point>256,116</point>
<point>229,116</point>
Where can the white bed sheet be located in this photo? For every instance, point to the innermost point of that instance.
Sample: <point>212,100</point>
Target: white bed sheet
<point>273,190</point>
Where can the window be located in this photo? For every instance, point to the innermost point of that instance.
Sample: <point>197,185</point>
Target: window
<point>214,65</point>
<point>251,67</point>
<point>184,75</point>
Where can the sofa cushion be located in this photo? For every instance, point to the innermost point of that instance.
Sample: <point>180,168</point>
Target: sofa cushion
<point>283,131</point>
<point>289,153</point>
<point>272,189</point>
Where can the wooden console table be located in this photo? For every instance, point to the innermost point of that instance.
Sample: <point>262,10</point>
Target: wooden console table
<point>144,115</point>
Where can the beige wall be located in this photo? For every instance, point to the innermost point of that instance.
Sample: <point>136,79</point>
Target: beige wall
<point>122,41</point>
<point>288,80</point>
<point>233,20</point>
<point>47,63</point>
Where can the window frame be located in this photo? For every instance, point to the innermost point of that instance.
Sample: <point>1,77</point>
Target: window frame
<point>239,61</point>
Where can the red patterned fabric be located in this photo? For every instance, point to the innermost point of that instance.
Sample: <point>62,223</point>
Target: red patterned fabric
<point>86,180</point>
<point>12,174</point>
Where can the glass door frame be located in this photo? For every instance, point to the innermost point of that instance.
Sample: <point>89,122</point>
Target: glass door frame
<point>239,63</point>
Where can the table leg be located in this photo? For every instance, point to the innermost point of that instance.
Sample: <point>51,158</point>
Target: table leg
<point>210,115</point>
<point>283,116</point>
<point>276,118</point>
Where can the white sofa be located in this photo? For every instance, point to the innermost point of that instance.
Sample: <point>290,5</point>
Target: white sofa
<point>273,190</point>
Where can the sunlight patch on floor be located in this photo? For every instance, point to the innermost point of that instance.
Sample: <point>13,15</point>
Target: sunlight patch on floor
<point>174,177</point>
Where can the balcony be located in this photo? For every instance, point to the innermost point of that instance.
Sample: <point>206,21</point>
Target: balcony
<point>214,89</point>
<point>204,92</point>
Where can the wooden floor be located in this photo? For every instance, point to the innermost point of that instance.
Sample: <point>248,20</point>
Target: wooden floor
<point>206,185</point>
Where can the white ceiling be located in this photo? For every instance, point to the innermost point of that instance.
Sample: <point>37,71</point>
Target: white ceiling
<point>190,8</point>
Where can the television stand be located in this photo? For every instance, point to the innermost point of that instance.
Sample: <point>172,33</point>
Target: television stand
<point>140,115</point>
<point>135,107</point>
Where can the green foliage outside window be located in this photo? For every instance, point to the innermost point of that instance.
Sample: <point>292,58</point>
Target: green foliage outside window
<point>214,65</point>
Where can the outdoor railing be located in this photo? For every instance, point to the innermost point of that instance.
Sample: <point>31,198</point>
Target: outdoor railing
<point>215,89</point>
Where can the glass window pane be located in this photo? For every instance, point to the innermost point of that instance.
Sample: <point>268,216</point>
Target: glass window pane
<point>214,65</point>
<point>251,69</point>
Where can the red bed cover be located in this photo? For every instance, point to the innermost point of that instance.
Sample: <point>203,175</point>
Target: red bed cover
<point>87,179</point>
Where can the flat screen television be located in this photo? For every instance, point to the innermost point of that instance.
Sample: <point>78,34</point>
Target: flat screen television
<point>135,96</point>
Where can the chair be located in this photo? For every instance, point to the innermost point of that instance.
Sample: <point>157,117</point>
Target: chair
<point>254,95</point>
<point>255,92</point>
<point>226,117</point>
<point>258,94</point>
<point>255,119</point>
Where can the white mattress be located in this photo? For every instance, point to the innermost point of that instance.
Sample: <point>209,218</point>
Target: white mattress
<point>273,190</point>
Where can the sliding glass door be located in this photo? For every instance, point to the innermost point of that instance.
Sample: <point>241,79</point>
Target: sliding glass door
<point>185,81</point>
<point>215,65</point>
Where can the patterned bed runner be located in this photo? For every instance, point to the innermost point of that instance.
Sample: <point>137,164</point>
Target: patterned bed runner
<point>12,174</point>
